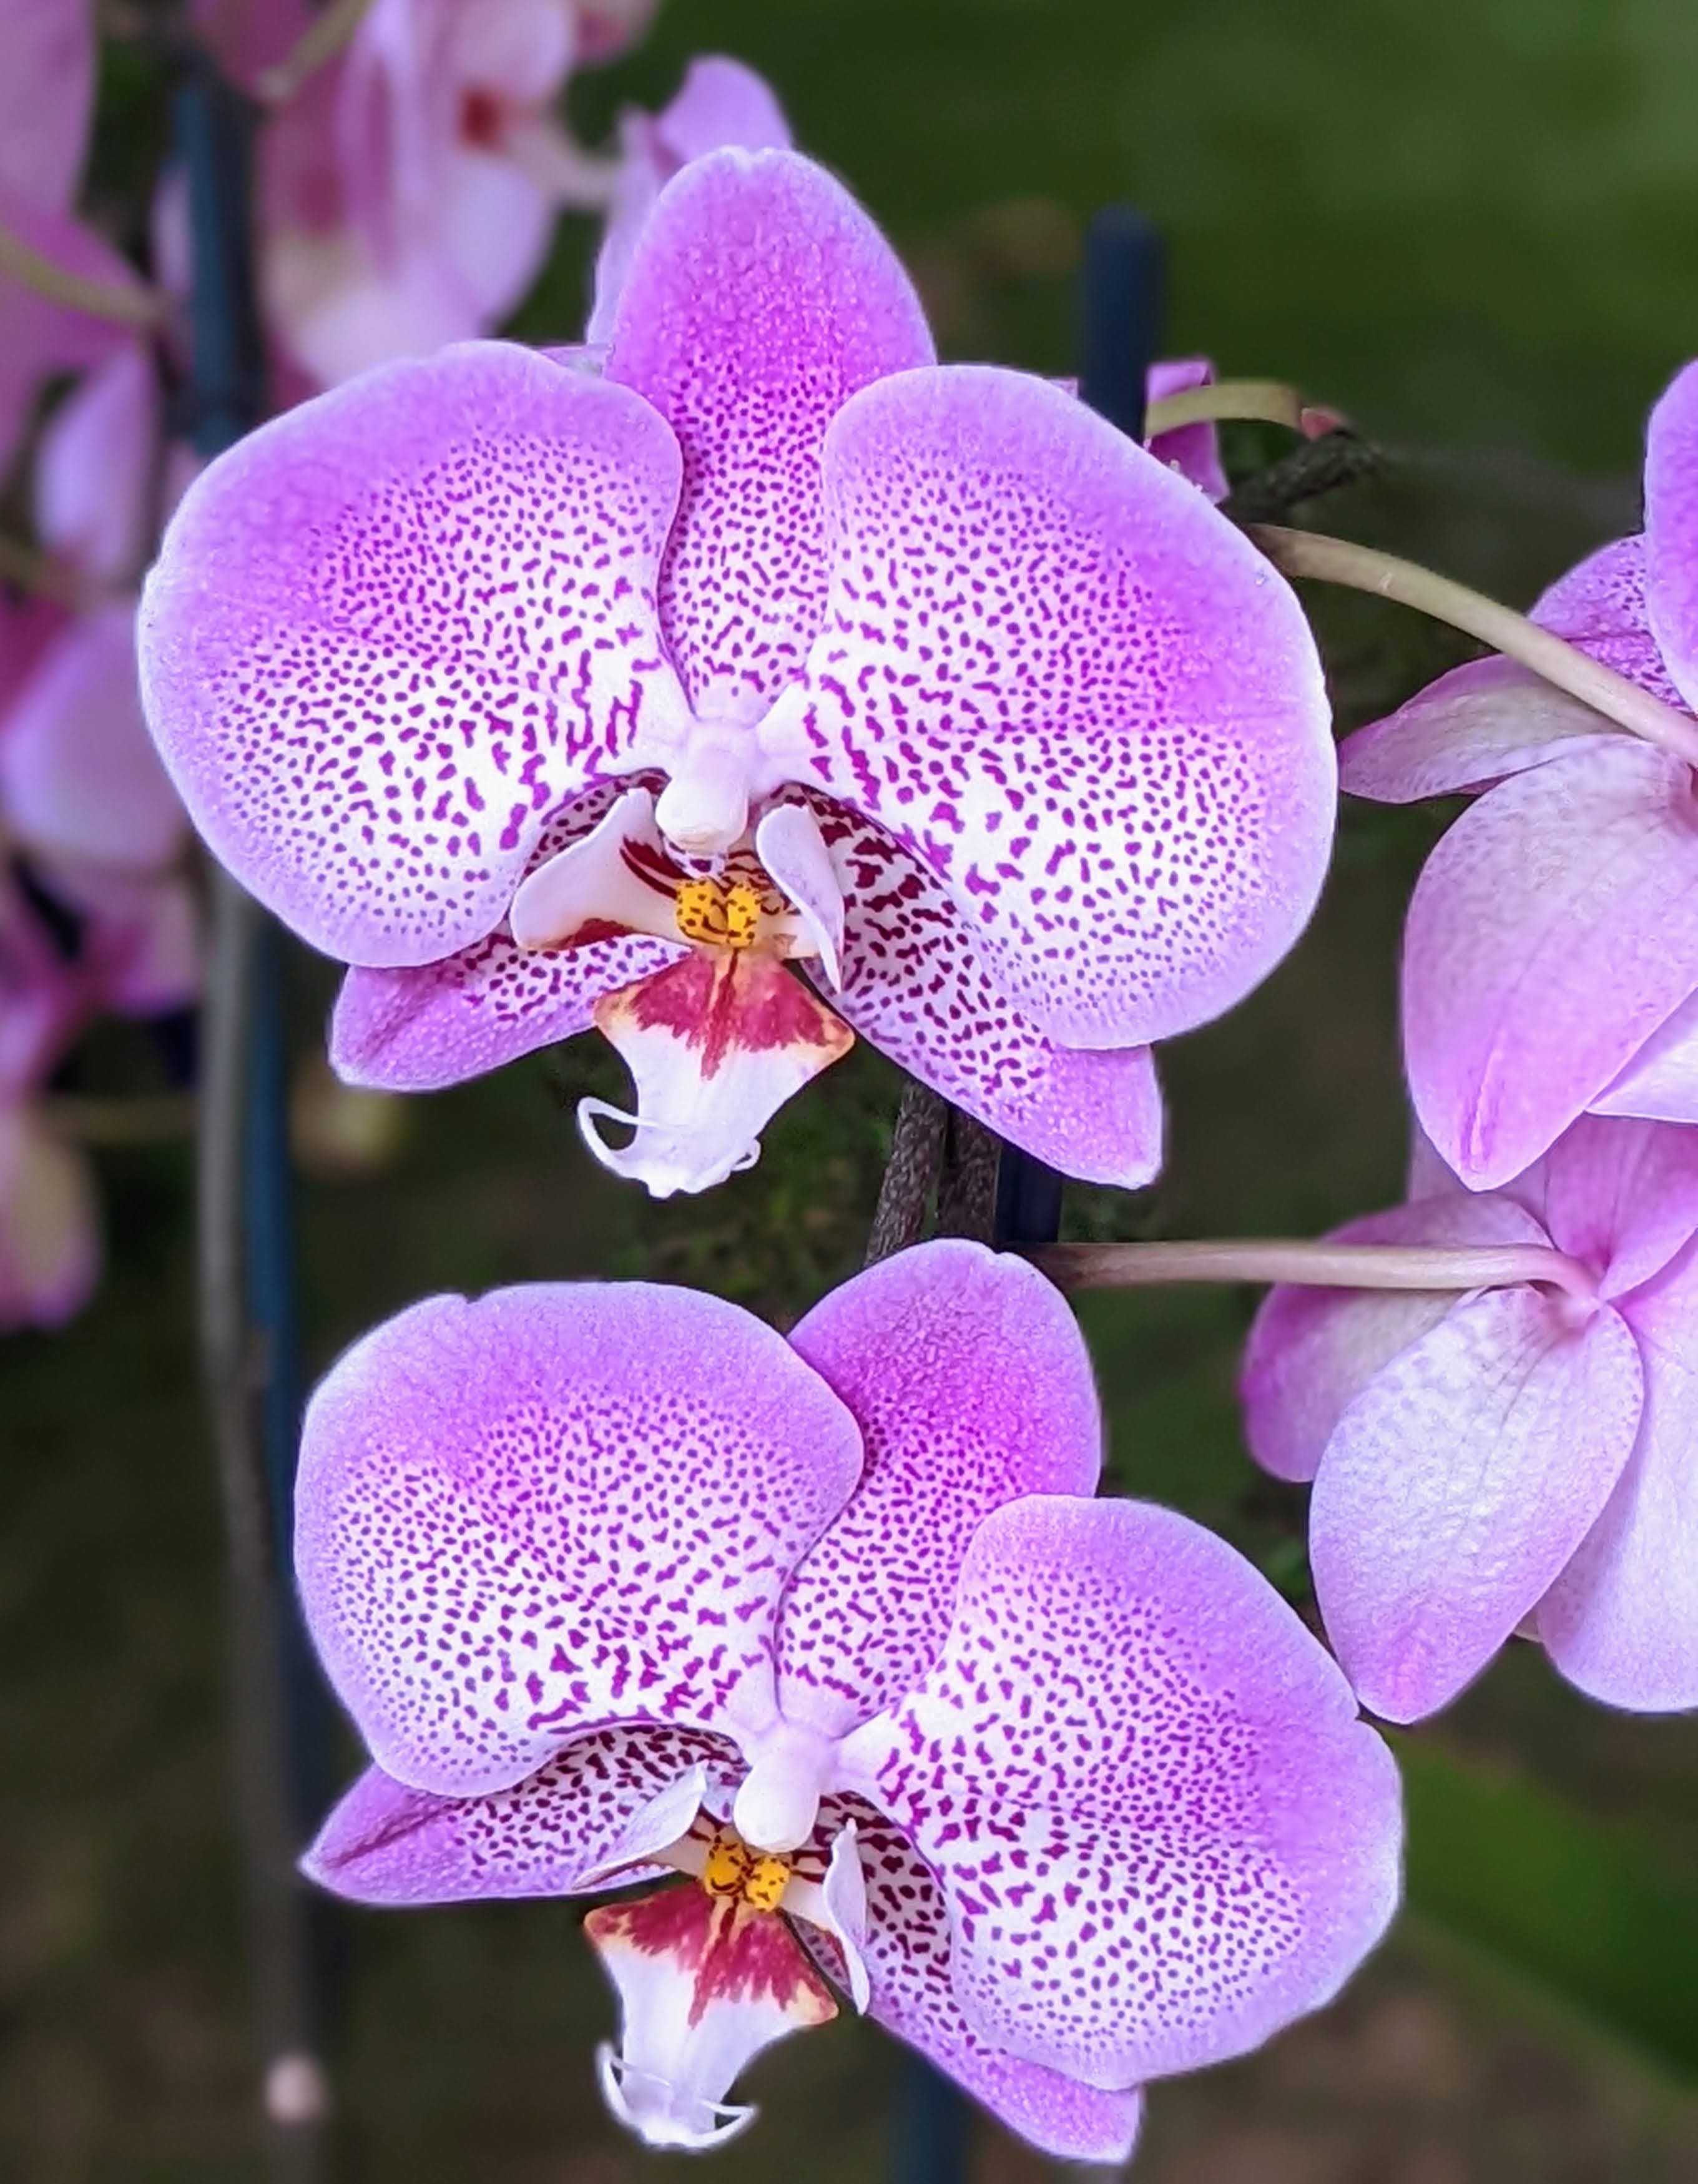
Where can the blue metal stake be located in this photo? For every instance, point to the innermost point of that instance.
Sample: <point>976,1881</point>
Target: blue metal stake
<point>280,1712</point>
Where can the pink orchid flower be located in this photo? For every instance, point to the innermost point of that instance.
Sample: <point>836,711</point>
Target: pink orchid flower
<point>49,1220</point>
<point>46,103</point>
<point>617,1582</point>
<point>410,191</point>
<point>84,800</point>
<point>1508,1454</point>
<point>548,697</point>
<point>1550,964</point>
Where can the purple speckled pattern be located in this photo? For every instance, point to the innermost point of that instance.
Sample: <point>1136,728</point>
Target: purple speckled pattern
<point>966,1371</point>
<point>591,1566</point>
<point>907,1954</point>
<point>1021,677</point>
<point>915,986</point>
<point>1132,1753</point>
<point>392,631</point>
<point>1485,1457</point>
<point>419,1027</point>
<point>511,1526</point>
<point>548,1835</point>
<point>760,298</point>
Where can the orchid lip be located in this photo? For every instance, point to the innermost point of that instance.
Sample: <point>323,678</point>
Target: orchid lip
<point>660,2114</point>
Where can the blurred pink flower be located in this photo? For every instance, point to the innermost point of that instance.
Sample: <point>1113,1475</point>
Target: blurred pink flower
<point>47,100</point>
<point>616,1581</point>
<point>410,189</point>
<point>1526,1452</point>
<point>1551,962</point>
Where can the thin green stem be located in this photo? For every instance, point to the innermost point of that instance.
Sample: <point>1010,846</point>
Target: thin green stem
<point>139,307</point>
<point>1364,568</point>
<point>1315,1265</point>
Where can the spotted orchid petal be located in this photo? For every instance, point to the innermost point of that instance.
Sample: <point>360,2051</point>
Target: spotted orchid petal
<point>914,984</point>
<point>373,677</point>
<point>703,1987</point>
<point>1553,930</point>
<point>1192,450</point>
<point>720,103</point>
<point>50,1249</point>
<point>715,1044</point>
<point>966,1374</point>
<point>1020,678</point>
<point>1311,1351</point>
<point>760,297</point>
<point>557,1832</point>
<point>1620,1622</point>
<point>1456,1487</point>
<point>907,1955</point>
<point>417,1029</point>
<point>1132,1747</point>
<point>80,777</point>
<point>525,1516</point>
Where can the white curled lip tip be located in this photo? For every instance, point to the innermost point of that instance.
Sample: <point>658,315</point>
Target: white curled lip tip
<point>663,1168</point>
<point>662,2115</point>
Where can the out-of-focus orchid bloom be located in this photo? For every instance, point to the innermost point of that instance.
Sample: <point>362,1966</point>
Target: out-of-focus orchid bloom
<point>1550,965</point>
<point>410,190</point>
<point>1529,1451</point>
<point>47,100</point>
<point>721,103</point>
<point>49,1224</point>
<point>84,800</point>
<point>1192,450</point>
<point>924,669</point>
<point>614,1580</point>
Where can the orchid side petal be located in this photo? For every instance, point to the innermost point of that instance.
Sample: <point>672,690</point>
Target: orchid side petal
<point>1127,1720</point>
<point>1020,677</point>
<point>493,1485</point>
<point>1192,450</point>
<point>94,470</point>
<point>394,631</point>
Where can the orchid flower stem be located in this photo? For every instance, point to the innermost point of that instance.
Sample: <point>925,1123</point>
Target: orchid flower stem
<point>159,1119</point>
<point>1312,1265</point>
<point>1365,569</point>
<point>141,308</point>
<point>331,30</point>
<point>1258,401</point>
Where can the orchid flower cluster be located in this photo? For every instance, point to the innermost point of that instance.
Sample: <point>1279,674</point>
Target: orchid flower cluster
<point>733,681</point>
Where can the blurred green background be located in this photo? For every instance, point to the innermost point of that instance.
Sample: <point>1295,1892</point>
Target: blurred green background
<point>1473,224</point>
